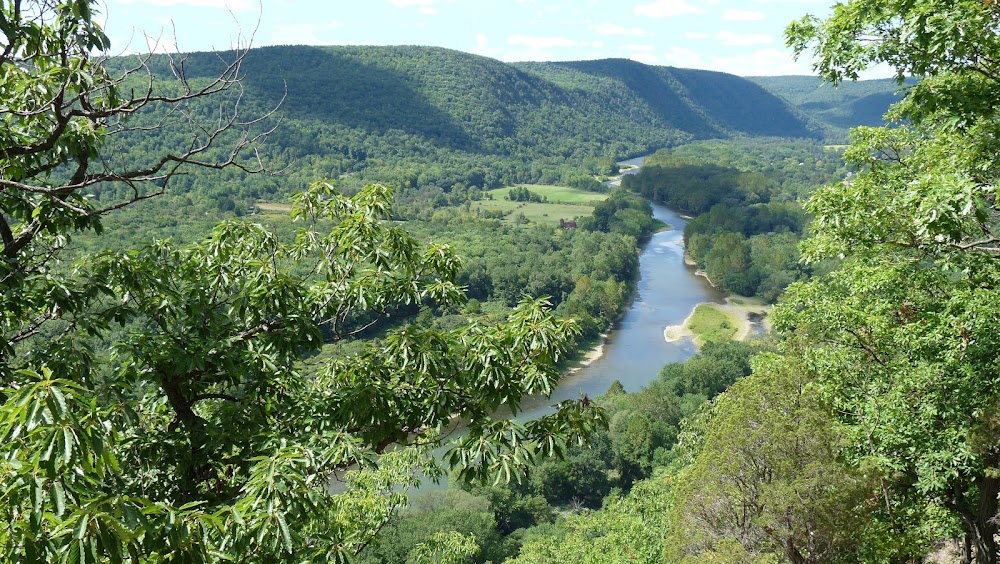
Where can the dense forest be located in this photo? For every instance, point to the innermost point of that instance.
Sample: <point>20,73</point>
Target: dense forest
<point>435,118</point>
<point>837,107</point>
<point>247,310</point>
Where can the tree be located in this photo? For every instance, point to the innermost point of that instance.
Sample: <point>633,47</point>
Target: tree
<point>766,484</point>
<point>163,403</point>
<point>903,344</point>
<point>63,119</point>
<point>625,529</point>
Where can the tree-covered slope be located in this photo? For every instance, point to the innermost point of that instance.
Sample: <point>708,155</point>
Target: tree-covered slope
<point>702,103</point>
<point>423,116</point>
<point>840,107</point>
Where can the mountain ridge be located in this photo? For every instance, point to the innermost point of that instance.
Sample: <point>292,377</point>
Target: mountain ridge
<point>419,116</point>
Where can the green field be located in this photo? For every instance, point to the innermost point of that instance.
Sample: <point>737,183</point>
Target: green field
<point>555,194</point>
<point>563,203</point>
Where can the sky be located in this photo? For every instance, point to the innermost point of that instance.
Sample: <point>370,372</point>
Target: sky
<point>739,37</point>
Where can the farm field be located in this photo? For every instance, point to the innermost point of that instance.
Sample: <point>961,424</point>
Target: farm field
<point>563,203</point>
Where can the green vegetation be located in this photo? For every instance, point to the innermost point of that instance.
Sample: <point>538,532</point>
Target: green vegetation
<point>837,107</point>
<point>194,398</point>
<point>711,324</point>
<point>748,225</point>
<point>163,402</point>
<point>869,434</point>
<point>622,213</point>
<point>554,194</point>
<point>454,122</point>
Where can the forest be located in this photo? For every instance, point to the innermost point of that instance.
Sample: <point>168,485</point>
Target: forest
<point>247,321</point>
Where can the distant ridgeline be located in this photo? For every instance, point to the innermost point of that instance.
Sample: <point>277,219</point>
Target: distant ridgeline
<point>421,116</point>
<point>418,117</point>
<point>836,108</point>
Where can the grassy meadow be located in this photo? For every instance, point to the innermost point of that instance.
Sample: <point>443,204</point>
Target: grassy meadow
<point>563,203</point>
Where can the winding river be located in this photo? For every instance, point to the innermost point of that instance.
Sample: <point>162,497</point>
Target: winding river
<point>666,292</point>
<point>634,351</point>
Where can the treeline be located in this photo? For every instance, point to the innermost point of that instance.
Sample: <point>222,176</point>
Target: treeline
<point>622,213</point>
<point>420,117</point>
<point>588,272</point>
<point>838,108</point>
<point>748,224</point>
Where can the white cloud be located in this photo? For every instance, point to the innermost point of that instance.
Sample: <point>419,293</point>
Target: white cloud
<point>683,57</point>
<point>428,11</point>
<point>666,9</point>
<point>763,62</point>
<point>731,39</point>
<point>635,47</point>
<point>234,5</point>
<point>409,3</point>
<point>742,15</point>
<point>615,29</point>
<point>536,42</point>
<point>304,34</point>
<point>483,47</point>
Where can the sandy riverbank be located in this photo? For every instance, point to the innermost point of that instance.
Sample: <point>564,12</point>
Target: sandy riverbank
<point>592,355</point>
<point>739,310</point>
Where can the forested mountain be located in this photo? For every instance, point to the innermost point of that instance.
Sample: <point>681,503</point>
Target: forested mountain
<point>423,116</point>
<point>840,107</point>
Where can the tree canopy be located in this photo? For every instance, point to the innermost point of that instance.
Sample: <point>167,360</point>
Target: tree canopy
<point>163,402</point>
<point>903,334</point>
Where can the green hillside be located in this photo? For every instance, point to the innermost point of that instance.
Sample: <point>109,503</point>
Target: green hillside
<point>837,107</point>
<point>431,117</point>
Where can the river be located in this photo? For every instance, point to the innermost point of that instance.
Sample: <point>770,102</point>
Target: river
<point>666,292</point>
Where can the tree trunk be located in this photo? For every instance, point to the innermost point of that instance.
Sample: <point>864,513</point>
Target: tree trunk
<point>985,529</point>
<point>793,553</point>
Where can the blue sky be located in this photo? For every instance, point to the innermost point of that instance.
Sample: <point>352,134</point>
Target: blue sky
<point>744,38</point>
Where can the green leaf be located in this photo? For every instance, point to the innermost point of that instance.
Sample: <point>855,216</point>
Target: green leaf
<point>58,498</point>
<point>80,529</point>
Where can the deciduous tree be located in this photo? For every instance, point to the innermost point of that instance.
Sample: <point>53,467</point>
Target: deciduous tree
<point>905,330</point>
<point>160,403</point>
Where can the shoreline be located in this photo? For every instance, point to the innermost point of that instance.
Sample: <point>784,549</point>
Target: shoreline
<point>737,308</point>
<point>588,358</point>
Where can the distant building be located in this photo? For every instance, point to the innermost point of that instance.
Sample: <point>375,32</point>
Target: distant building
<point>567,223</point>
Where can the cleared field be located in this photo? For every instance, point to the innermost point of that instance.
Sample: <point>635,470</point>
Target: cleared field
<point>269,208</point>
<point>563,203</point>
<point>555,194</point>
<point>544,214</point>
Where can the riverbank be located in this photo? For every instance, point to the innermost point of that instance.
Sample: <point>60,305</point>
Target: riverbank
<point>594,353</point>
<point>734,320</point>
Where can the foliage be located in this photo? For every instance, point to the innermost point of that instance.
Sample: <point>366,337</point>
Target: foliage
<point>522,194</point>
<point>766,484</point>
<point>451,121</point>
<point>626,529</point>
<point>902,343</point>
<point>837,107</point>
<point>433,525</point>
<point>746,233</point>
<point>622,213</point>
<point>156,403</point>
